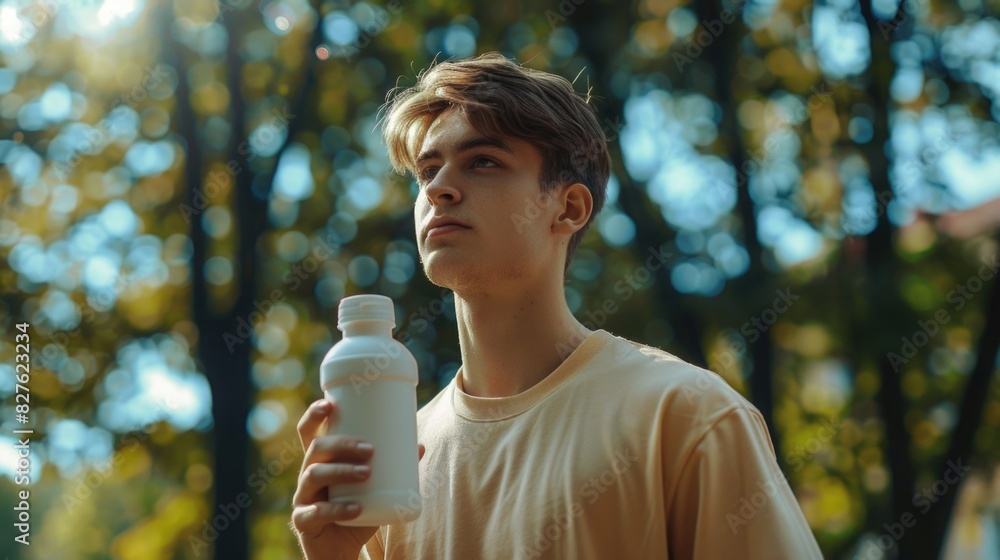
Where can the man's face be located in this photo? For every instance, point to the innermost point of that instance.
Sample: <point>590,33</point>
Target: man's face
<point>490,186</point>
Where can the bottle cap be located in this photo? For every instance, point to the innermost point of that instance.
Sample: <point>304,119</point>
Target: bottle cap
<point>366,307</point>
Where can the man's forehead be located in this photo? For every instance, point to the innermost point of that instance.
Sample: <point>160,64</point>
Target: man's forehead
<point>451,123</point>
<point>452,128</point>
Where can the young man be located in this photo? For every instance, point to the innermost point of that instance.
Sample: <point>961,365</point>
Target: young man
<point>552,441</point>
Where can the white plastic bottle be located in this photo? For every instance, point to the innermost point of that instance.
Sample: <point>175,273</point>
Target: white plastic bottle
<point>373,379</point>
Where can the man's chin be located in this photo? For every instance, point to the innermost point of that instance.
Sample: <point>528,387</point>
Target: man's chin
<point>448,269</point>
<point>464,275</point>
<point>440,267</point>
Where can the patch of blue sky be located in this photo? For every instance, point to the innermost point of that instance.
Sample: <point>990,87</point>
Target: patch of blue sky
<point>293,178</point>
<point>146,387</point>
<point>150,158</point>
<point>841,39</point>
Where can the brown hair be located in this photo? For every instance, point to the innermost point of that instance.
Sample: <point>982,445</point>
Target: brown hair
<point>501,98</point>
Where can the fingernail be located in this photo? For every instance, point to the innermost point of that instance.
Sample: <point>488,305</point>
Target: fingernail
<point>353,508</point>
<point>324,404</point>
<point>361,469</point>
<point>362,446</point>
<point>310,511</point>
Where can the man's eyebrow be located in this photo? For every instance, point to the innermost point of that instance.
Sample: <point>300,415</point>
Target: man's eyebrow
<point>466,145</point>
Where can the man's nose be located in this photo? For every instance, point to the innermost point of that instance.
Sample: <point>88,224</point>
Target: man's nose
<point>442,189</point>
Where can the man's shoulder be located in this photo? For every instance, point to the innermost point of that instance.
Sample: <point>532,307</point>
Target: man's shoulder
<point>682,387</point>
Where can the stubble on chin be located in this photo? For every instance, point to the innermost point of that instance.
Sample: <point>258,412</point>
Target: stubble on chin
<point>469,278</point>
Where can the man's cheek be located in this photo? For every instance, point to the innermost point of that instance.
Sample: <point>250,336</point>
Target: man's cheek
<point>419,211</point>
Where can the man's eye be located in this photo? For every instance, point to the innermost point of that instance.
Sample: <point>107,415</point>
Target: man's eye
<point>427,174</point>
<point>481,160</point>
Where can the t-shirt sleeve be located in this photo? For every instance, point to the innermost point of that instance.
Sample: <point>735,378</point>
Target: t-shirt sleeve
<point>731,499</point>
<point>373,549</point>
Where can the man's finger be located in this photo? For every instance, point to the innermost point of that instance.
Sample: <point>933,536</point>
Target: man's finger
<point>312,420</point>
<point>313,518</point>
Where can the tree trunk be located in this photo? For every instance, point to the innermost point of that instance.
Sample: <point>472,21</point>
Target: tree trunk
<point>591,21</point>
<point>755,283</point>
<point>961,448</point>
<point>227,373</point>
<point>882,269</point>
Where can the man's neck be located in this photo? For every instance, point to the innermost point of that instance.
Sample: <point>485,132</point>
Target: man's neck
<point>511,342</point>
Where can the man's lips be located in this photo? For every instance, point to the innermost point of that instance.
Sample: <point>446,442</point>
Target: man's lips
<point>443,225</point>
<point>444,230</point>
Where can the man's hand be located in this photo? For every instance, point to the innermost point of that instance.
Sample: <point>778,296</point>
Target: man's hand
<point>329,460</point>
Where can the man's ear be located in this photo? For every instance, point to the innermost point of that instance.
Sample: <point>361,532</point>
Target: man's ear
<point>576,205</point>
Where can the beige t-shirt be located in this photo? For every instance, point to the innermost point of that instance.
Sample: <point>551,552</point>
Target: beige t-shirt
<point>624,451</point>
